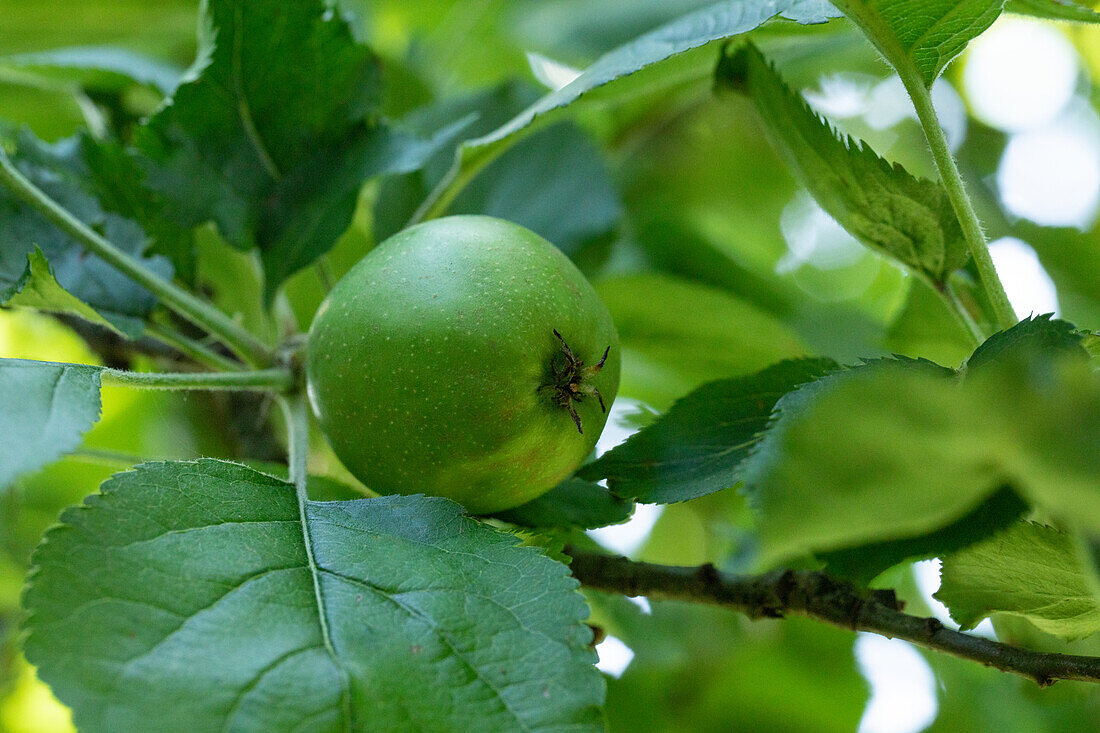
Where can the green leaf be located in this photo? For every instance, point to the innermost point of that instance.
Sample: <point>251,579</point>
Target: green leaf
<point>1054,10</point>
<point>96,66</point>
<point>865,562</point>
<point>482,111</point>
<point>921,35</point>
<point>890,211</point>
<point>183,597</point>
<point>61,171</point>
<point>1029,570</point>
<point>900,449</point>
<point>1030,338</point>
<point>38,288</point>
<point>572,503</point>
<point>283,175</point>
<point>555,182</point>
<point>45,409</point>
<point>862,456</point>
<point>676,335</point>
<point>673,53</point>
<point>696,448</point>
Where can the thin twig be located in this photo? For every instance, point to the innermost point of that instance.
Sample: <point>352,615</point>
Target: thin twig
<point>816,595</point>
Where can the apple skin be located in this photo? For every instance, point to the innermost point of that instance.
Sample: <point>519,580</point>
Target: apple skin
<point>431,364</point>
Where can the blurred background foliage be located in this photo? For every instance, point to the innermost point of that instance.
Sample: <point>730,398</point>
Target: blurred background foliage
<point>712,261</point>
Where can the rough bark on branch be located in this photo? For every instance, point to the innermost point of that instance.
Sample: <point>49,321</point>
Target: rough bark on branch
<point>816,595</point>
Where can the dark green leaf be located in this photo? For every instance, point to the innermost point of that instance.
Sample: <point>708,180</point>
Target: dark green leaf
<point>572,503</point>
<point>312,206</point>
<point>555,182</point>
<point>1054,10</point>
<point>45,409</point>
<point>275,132</point>
<point>61,172</point>
<point>1029,570</point>
<point>881,204</point>
<point>923,35</point>
<point>183,597</point>
<point>697,447</point>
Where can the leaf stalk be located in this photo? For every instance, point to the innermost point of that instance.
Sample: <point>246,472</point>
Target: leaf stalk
<point>279,379</point>
<point>1003,313</point>
<point>188,306</point>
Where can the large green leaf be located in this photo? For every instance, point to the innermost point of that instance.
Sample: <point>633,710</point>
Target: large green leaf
<point>183,597</point>
<point>697,446</point>
<point>45,409</point>
<point>881,204</point>
<point>275,131</point>
<point>921,35</point>
<point>61,171</point>
<point>676,334</point>
<point>1028,570</point>
<point>671,54</point>
<point>900,449</point>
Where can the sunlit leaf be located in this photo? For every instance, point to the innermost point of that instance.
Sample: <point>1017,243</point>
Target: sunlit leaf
<point>924,35</point>
<point>881,204</point>
<point>1029,570</point>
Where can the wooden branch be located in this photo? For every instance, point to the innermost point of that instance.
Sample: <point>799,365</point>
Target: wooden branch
<point>816,595</point>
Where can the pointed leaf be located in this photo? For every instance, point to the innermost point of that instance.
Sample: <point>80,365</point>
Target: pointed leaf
<point>38,288</point>
<point>906,218</point>
<point>45,409</point>
<point>1028,339</point>
<point>696,447</point>
<point>277,174</point>
<point>1029,570</point>
<point>183,598</point>
<point>921,35</point>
